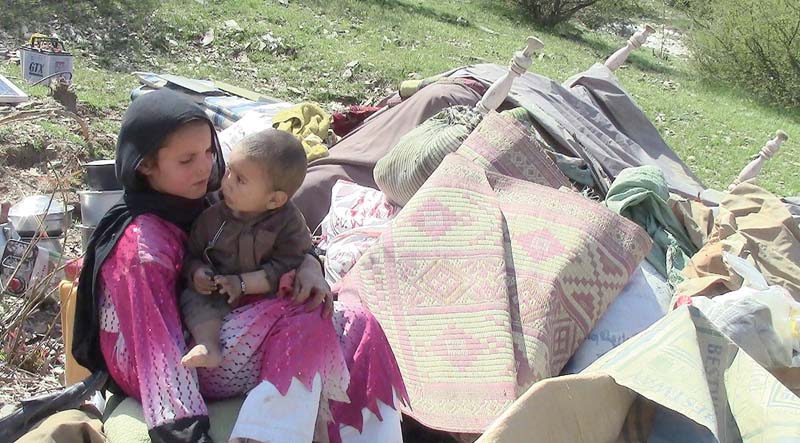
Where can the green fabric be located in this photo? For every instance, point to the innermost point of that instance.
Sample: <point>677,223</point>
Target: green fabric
<point>409,87</point>
<point>125,424</point>
<point>417,154</point>
<point>641,194</point>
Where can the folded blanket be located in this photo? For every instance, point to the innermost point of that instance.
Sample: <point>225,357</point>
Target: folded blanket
<point>310,124</point>
<point>752,223</point>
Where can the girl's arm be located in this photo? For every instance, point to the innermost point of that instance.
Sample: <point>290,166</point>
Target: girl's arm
<point>140,279</point>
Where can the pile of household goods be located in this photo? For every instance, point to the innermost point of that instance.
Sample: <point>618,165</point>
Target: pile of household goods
<point>34,231</point>
<point>503,251</point>
<point>562,236</point>
<point>547,268</point>
<point>517,256</point>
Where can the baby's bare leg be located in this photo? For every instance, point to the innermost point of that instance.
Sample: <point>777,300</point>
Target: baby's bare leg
<point>207,353</point>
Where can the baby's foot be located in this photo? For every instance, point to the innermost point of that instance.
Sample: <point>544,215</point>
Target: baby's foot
<point>202,356</point>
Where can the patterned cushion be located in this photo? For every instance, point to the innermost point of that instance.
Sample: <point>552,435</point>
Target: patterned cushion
<point>417,154</point>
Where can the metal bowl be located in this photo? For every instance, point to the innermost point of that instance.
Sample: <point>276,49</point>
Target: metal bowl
<point>38,213</point>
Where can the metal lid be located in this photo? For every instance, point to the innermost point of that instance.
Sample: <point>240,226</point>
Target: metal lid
<point>37,205</point>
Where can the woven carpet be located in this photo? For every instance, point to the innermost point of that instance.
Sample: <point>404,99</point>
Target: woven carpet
<point>487,282</point>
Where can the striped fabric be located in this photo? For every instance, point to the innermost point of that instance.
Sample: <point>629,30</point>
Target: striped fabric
<point>401,173</point>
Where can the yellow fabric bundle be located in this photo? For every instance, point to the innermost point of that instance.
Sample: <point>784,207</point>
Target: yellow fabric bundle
<point>310,124</point>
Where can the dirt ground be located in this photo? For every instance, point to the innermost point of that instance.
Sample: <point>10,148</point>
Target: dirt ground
<point>33,162</point>
<point>42,149</point>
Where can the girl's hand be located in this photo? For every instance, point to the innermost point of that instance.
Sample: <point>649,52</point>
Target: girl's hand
<point>202,281</point>
<point>230,285</point>
<point>311,288</point>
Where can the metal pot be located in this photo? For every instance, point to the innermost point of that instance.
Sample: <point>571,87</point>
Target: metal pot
<point>38,214</point>
<point>4,235</point>
<point>95,204</point>
<point>101,176</point>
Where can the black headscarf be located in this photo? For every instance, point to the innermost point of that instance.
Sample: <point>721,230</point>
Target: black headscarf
<point>147,122</point>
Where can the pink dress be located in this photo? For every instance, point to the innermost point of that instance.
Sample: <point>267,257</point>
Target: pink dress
<point>142,341</point>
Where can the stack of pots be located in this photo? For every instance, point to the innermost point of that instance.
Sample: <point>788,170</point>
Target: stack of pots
<point>104,192</point>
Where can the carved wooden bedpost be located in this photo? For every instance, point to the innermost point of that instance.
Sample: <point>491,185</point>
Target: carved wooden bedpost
<point>637,40</point>
<point>767,152</point>
<point>498,92</point>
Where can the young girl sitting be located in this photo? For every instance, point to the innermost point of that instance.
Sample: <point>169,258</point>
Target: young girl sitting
<point>256,227</point>
<point>283,353</point>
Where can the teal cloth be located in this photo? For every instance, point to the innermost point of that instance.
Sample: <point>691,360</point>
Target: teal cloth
<point>641,194</point>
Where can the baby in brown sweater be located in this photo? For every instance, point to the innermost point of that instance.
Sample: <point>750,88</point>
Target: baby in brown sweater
<point>244,244</point>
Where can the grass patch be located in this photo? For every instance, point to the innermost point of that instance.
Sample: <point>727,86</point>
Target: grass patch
<point>714,129</point>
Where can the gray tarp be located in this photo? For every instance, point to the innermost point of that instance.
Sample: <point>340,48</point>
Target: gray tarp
<point>592,118</point>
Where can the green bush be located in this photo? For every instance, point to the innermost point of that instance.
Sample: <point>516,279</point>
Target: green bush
<point>552,12</point>
<point>754,44</point>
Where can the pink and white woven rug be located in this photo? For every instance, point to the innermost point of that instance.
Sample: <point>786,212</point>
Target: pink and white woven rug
<point>487,282</point>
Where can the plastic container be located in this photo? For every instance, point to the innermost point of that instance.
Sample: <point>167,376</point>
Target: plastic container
<point>68,293</point>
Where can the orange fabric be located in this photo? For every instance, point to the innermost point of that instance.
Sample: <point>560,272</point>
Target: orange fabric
<point>751,223</point>
<point>67,293</point>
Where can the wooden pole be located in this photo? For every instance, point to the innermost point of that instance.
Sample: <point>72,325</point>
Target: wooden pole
<point>767,152</point>
<point>636,41</point>
<point>498,92</point>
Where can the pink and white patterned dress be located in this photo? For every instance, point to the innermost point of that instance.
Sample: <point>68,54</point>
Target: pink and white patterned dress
<point>142,340</point>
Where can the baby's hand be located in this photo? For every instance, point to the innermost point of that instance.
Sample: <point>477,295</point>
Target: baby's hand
<point>203,281</point>
<point>231,285</point>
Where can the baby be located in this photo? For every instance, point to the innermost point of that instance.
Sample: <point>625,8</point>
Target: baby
<point>244,244</point>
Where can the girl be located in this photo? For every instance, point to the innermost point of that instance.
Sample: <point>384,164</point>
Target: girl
<point>293,362</point>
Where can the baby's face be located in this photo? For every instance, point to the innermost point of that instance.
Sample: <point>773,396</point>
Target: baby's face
<point>247,187</point>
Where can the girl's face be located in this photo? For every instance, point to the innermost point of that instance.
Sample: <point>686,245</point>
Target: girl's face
<point>183,164</point>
